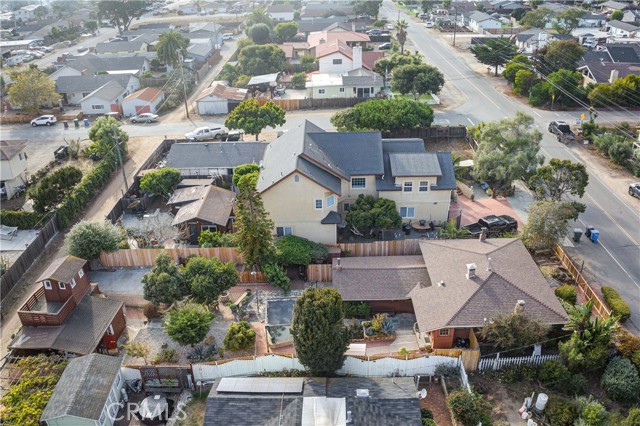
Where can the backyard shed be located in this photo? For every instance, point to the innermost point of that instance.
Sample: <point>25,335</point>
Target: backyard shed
<point>219,99</point>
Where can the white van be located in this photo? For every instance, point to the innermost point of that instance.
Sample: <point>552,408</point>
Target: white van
<point>227,36</point>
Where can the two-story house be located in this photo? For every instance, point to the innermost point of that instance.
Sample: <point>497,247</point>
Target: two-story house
<point>310,177</point>
<point>281,12</point>
<point>13,166</point>
<point>63,315</point>
<point>88,393</point>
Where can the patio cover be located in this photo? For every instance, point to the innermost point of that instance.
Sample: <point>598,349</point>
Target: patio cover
<point>263,79</point>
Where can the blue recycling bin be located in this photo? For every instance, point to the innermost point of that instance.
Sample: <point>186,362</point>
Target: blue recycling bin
<point>594,235</point>
<point>86,122</point>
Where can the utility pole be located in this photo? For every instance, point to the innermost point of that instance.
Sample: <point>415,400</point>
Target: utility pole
<point>117,146</point>
<point>455,25</point>
<point>184,83</point>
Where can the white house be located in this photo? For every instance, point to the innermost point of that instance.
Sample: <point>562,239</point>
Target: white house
<point>26,13</point>
<point>622,29</point>
<point>592,20</point>
<point>337,57</point>
<point>358,83</point>
<point>74,88</point>
<point>107,98</point>
<point>13,166</point>
<point>187,10</point>
<point>480,21</point>
<point>219,99</point>
<point>281,12</point>
<point>144,100</point>
<point>88,393</point>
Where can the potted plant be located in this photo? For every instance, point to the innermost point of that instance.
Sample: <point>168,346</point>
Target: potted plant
<point>224,296</point>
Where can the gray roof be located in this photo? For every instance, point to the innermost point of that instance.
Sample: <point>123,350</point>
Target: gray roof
<point>319,24</point>
<point>404,164</point>
<point>263,79</point>
<point>625,53</point>
<point>319,175</point>
<point>332,218</point>
<point>126,46</point>
<point>198,155</point>
<point>9,148</point>
<point>361,77</point>
<point>601,71</point>
<point>448,178</point>
<point>199,49</point>
<point>109,91</point>
<point>83,388</point>
<point>188,194</point>
<point>276,8</point>
<point>479,16</point>
<point>89,83</point>
<point>623,26</point>
<point>91,64</point>
<point>214,206</point>
<point>614,5</point>
<point>157,26</point>
<point>63,269</point>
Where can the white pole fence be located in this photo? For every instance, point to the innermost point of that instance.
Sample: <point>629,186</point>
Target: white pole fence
<point>497,363</point>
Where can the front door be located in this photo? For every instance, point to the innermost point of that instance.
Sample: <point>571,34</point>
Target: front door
<point>193,234</point>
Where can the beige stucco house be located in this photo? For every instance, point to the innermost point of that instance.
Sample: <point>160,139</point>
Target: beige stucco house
<point>310,177</point>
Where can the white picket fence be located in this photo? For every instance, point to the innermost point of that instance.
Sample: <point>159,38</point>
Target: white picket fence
<point>464,377</point>
<point>497,363</point>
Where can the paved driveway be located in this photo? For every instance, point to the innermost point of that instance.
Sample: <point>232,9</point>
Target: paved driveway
<point>124,284</point>
<point>483,205</point>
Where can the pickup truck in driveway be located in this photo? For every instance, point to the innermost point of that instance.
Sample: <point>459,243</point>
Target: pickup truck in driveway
<point>495,225</point>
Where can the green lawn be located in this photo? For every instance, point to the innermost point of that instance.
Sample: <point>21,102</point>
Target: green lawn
<point>424,98</point>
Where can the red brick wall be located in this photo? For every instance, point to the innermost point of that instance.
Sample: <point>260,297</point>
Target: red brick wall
<point>397,306</point>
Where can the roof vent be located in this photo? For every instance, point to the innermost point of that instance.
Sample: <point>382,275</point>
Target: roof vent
<point>362,393</point>
<point>349,417</point>
<point>441,284</point>
<point>519,308</point>
<point>471,270</point>
<point>489,266</point>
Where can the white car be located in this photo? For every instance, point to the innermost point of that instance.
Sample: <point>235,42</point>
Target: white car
<point>147,117</point>
<point>428,24</point>
<point>46,49</point>
<point>206,133</point>
<point>44,120</point>
<point>227,36</point>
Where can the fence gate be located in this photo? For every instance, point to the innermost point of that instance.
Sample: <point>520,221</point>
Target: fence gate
<point>166,379</point>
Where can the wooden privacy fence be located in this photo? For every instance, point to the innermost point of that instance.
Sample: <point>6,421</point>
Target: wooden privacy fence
<point>382,248</point>
<point>601,308</point>
<point>322,273</point>
<point>296,104</point>
<point>132,258</point>
<point>26,259</point>
<point>497,363</point>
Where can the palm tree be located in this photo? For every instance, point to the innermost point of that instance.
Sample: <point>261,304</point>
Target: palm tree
<point>259,16</point>
<point>170,46</point>
<point>401,28</point>
<point>590,330</point>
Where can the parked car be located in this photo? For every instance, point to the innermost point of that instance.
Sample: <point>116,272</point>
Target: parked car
<point>634,189</point>
<point>44,120</point>
<point>214,131</point>
<point>46,49</point>
<point>494,224</point>
<point>429,24</point>
<point>147,117</point>
<point>374,32</point>
<point>384,46</point>
<point>227,36</point>
<point>232,136</point>
<point>83,49</point>
<point>562,130</point>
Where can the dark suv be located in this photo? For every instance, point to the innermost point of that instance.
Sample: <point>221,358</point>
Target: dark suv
<point>562,130</point>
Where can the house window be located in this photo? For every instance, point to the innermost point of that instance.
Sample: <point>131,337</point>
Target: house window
<point>62,286</point>
<point>85,94</point>
<point>337,62</point>
<point>210,228</point>
<point>321,91</point>
<point>98,107</point>
<point>358,182</point>
<point>331,200</point>
<point>20,156</point>
<point>296,178</point>
<point>342,90</point>
<point>281,231</point>
<point>443,332</point>
<point>47,285</point>
<point>407,212</point>
<point>73,283</point>
<point>408,187</point>
<point>318,204</point>
<point>424,186</point>
<point>346,207</point>
<point>117,381</point>
<point>103,418</point>
<point>81,273</point>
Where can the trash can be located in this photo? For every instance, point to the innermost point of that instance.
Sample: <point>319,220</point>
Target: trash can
<point>577,233</point>
<point>406,228</point>
<point>587,233</point>
<point>76,124</point>
<point>594,235</point>
<point>66,125</point>
<point>86,122</point>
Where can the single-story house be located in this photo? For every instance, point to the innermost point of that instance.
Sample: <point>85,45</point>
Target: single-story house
<point>287,401</point>
<point>13,166</point>
<point>281,12</point>
<point>140,43</point>
<point>201,160</point>
<point>219,99</point>
<point>631,17</point>
<point>88,393</point>
<point>622,29</point>
<point>75,88</point>
<point>201,51</point>
<point>606,72</point>
<point>350,38</point>
<point>480,21</point>
<point>106,98</point>
<point>357,83</point>
<point>322,9</point>
<point>201,208</point>
<point>612,6</point>
<point>91,64</point>
<point>144,100</point>
<point>592,20</point>
<point>308,26</point>
<point>453,287</point>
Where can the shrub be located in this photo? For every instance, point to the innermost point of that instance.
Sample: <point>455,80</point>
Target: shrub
<point>594,414</point>
<point>466,408</point>
<point>54,188</point>
<point>605,141</point>
<point>165,356</point>
<point>23,219</point>
<point>635,359</point>
<point>188,324</point>
<point>216,239</point>
<point>567,293</point>
<point>88,239</point>
<point>356,309</point>
<point>299,80</point>
<point>446,370</point>
<point>160,182</point>
<point>240,336</point>
<point>292,250</point>
<point>553,374</point>
<point>633,418</point>
<point>620,152</point>
<point>617,304</point>
<point>151,311</point>
<point>277,276</point>
<point>589,129</point>
<point>576,384</point>
<point>621,380</point>
<point>561,412</point>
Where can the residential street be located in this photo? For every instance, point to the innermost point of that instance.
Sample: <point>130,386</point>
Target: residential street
<point>615,261</point>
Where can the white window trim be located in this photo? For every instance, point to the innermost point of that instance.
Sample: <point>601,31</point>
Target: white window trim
<point>284,230</point>
<point>73,282</point>
<point>359,187</point>
<point>408,216</point>
<point>331,200</point>
<point>315,203</point>
<point>342,90</point>
<point>81,273</point>
<point>444,332</point>
<point>47,285</point>
<point>62,286</point>
<point>423,188</point>
<point>407,186</point>
<point>321,91</point>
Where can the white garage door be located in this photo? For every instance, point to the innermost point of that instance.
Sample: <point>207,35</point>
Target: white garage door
<point>212,107</point>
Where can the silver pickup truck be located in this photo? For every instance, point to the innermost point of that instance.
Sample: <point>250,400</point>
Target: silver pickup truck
<point>206,133</point>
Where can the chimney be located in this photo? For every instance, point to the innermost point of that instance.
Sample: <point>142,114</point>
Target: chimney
<point>357,57</point>
<point>519,308</point>
<point>471,270</point>
<point>613,77</point>
<point>483,235</point>
<point>489,265</point>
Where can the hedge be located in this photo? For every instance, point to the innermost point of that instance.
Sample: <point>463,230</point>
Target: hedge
<point>23,219</point>
<point>567,293</point>
<point>617,304</point>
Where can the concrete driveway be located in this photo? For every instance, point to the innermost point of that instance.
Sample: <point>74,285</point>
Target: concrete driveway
<point>122,284</point>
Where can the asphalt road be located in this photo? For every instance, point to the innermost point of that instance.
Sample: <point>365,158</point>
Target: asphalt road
<point>615,260</point>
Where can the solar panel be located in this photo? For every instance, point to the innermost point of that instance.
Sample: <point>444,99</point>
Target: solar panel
<point>260,385</point>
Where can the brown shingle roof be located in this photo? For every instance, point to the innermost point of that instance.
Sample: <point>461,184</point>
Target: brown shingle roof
<point>63,269</point>
<point>214,206</point>
<point>224,92</point>
<point>9,149</point>
<point>148,94</point>
<point>335,46</point>
<point>186,195</point>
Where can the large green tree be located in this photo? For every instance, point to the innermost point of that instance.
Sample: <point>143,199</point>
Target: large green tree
<point>105,134</point>
<point>384,115</point>
<point>560,54</point>
<point>624,92</point>
<point>401,33</point>
<point>260,34</point>
<point>160,182</point>
<point>188,324</point>
<point>389,63</point>
<point>367,215</point>
<point>417,80</point>
<point>54,188</point>
<point>243,169</point>
<point>559,178</point>
<point>513,330</point>
<point>537,17</point>
<point>507,151</point>
<point>495,52</point>
<point>319,335</point>
<point>367,7</point>
<point>121,13</point>
<point>260,59</point>
<point>164,283</point>
<point>259,16</point>
<point>547,223</point>
<point>207,279</point>
<point>286,31</point>
<point>255,229</point>
<point>171,47</point>
<point>87,240</point>
<point>519,62</point>
<point>568,20</point>
<point>32,89</point>
<point>566,87</point>
<point>252,117</point>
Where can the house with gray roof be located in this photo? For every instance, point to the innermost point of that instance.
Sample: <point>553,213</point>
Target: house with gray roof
<point>202,160</point>
<point>75,88</point>
<point>90,64</point>
<point>616,60</point>
<point>310,177</point>
<point>355,83</point>
<point>13,166</point>
<point>139,43</point>
<point>622,29</point>
<point>453,287</point>
<point>106,98</point>
<point>88,392</point>
<point>265,401</point>
<point>480,21</point>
